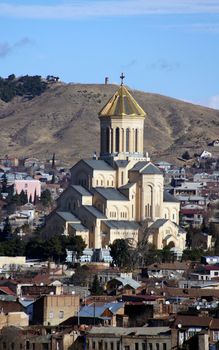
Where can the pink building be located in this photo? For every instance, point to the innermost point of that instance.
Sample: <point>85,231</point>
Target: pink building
<point>29,186</point>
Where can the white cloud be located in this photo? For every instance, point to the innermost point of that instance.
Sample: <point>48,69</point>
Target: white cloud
<point>107,8</point>
<point>213,102</point>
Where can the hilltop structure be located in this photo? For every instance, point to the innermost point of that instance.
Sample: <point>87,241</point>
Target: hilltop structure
<point>110,196</point>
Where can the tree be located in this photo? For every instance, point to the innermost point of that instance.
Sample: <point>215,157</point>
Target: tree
<point>7,230</point>
<point>4,183</point>
<point>53,161</point>
<point>193,254</point>
<point>46,197</point>
<point>96,288</point>
<point>23,197</point>
<point>81,276</point>
<point>76,244</point>
<point>120,252</point>
<point>186,155</point>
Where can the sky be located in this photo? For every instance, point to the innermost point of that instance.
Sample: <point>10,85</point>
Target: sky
<point>169,47</point>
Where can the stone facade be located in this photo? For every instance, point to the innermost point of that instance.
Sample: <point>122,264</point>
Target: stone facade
<point>112,195</point>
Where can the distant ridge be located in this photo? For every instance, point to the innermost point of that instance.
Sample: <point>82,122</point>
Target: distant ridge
<point>64,119</point>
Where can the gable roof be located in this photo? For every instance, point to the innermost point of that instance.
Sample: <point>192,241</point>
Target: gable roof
<point>168,197</point>
<point>158,223</point>
<point>97,164</point>
<point>111,194</point>
<point>96,213</point>
<point>127,281</point>
<point>94,310</point>
<point>68,216</point>
<point>145,168</point>
<point>122,224</point>
<point>81,190</point>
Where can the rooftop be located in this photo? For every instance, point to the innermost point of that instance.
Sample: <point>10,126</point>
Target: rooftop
<point>111,194</point>
<point>136,331</point>
<point>122,104</point>
<point>81,190</point>
<point>95,212</point>
<point>125,225</point>
<point>97,164</point>
<point>67,216</point>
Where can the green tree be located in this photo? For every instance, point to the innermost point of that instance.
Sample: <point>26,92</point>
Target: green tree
<point>7,229</point>
<point>4,183</point>
<point>81,276</point>
<point>186,155</point>
<point>96,288</point>
<point>75,244</point>
<point>23,197</point>
<point>120,252</point>
<point>192,254</point>
<point>46,197</point>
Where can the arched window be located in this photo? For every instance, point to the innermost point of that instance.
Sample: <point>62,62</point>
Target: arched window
<point>127,139</point>
<point>136,140</point>
<point>117,139</point>
<point>122,178</point>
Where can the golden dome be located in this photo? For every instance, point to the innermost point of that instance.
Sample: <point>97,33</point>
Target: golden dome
<point>122,104</point>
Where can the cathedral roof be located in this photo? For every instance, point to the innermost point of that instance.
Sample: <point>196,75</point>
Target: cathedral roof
<point>80,189</point>
<point>122,104</point>
<point>97,164</point>
<point>122,224</point>
<point>111,194</point>
<point>151,169</point>
<point>168,197</point>
<point>145,168</point>
<point>68,216</point>
<point>158,223</point>
<point>96,213</point>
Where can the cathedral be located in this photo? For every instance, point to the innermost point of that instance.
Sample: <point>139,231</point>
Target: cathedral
<point>110,196</point>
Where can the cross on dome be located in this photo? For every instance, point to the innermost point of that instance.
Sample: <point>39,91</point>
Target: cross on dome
<point>122,77</point>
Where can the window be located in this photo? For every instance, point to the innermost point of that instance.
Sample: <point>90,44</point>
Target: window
<point>136,346</point>
<point>4,345</point>
<point>150,345</point>
<point>51,315</point>
<point>215,335</point>
<point>216,273</point>
<point>164,346</point>
<point>157,346</point>
<point>127,140</point>
<point>117,139</point>
<point>93,345</point>
<point>144,346</point>
<point>26,185</point>
<point>122,178</point>
<point>118,345</point>
<point>111,346</point>
<point>12,346</point>
<point>61,314</point>
<point>136,140</point>
<point>127,347</point>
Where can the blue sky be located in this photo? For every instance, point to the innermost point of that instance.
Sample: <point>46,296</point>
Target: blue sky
<point>170,47</point>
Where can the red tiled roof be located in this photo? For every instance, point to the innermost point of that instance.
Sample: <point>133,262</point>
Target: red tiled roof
<point>6,290</point>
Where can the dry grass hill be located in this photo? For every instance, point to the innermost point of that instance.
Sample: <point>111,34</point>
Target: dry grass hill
<point>64,120</point>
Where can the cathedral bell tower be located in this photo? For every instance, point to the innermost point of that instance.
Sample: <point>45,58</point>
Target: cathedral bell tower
<point>121,127</point>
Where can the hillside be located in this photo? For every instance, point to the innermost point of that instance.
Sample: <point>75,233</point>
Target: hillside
<point>64,119</point>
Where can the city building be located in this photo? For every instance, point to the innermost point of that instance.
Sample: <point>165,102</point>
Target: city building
<point>110,196</point>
